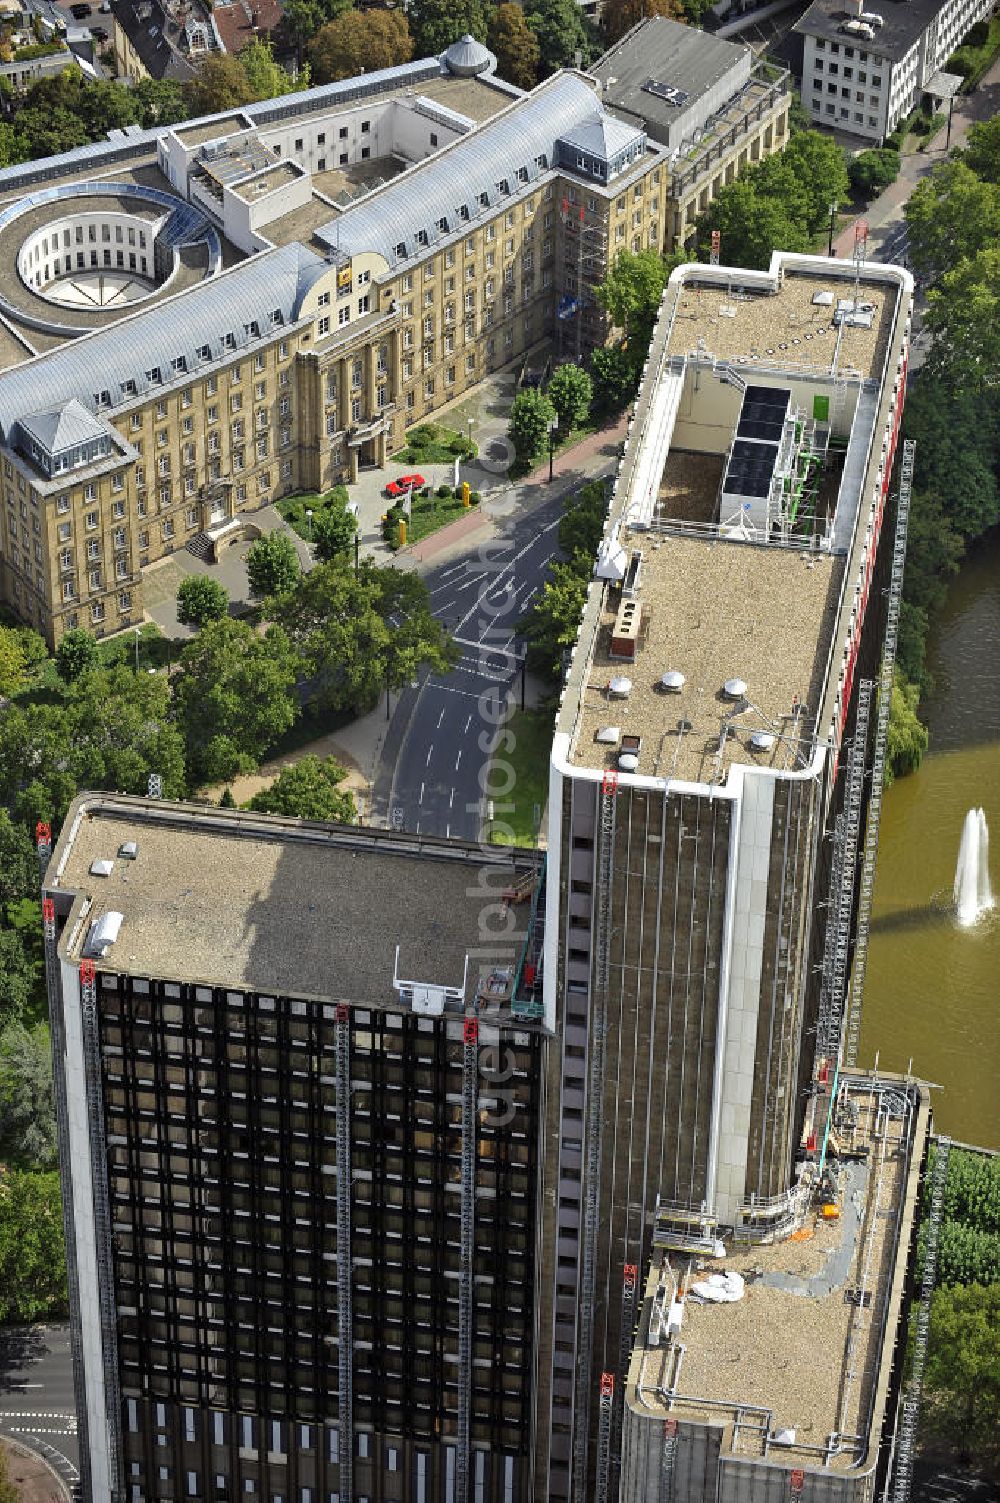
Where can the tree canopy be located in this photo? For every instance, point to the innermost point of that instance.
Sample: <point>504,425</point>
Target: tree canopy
<point>200,599</point>
<point>515,45</point>
<point>273,566</point>
<point>962,1381</point>
<point>333,531</point>
<point>234,697</point>
<point>353,633</point>
<point>530,418</point>
<point>360,41</point>
<point>552,624</point>
<point>619,16</point>
<point>32,1255</point>
<point>309,789</point>
<point>435,24</point>
<point>570,391</point>
<point>562,31</point>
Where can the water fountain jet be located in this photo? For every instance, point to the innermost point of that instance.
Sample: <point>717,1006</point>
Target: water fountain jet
<point>973,895</point>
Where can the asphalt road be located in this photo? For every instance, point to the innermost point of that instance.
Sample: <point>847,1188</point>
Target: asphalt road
<point>440,753</point>
<point>36,1393</point>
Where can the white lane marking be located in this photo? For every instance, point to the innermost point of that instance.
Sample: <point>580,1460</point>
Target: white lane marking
<point>440,718</point>
<point>447,832</point>
<point>430,749</point>
<point>465,729</point>
<point>495,586</point>
<point>457,760</point>
<point>489,647</point>
<point>421,798</point>
<point>451,800</point>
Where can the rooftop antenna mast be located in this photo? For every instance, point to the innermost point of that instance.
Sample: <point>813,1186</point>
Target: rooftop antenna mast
<point>860,256</point>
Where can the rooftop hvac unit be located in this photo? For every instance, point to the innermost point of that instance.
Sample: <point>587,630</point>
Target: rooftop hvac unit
<point>607,735</point>
<point>101,867</point>
<point>761,741</point>
<point>734,688</point>
<point>620,687</point>
<point>628,762</point>
<point>103,933</point>
<point>672,681</point>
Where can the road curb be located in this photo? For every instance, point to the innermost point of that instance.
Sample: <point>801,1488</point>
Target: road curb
<point>62,1485</point>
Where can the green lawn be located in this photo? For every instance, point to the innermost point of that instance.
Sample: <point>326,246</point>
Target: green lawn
<point>974,61</point>
<point>529,759</point>
<point>293,508</point>
<point>429,513</point>
<point>432,443</point>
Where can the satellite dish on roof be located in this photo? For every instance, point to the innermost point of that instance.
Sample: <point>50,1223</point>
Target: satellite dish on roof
<point>734,688</point>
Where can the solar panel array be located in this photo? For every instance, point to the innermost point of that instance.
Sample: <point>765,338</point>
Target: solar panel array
<point>758,434</point>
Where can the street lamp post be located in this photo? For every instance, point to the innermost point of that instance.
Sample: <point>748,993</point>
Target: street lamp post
<point>833,222</point>
<point>553,428</point>
<point>309,519</point>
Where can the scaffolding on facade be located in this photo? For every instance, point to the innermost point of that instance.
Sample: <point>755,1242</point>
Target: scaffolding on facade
<point>607,1399</point>
<point>902,1478</point>
<point>886,677</point>
<point>92,1065</point>
<point>345,1273</point>
<point>466,1280</point>
<point>595,1130</point>
<point>585,263</point>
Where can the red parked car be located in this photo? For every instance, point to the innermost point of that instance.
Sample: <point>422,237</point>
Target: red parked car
<point>400,487</point>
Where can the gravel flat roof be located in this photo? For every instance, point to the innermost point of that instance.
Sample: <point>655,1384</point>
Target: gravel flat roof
<point>279,906</point>
<point>715,611</point>
<point>798,1344</point>
<point>784,327</point>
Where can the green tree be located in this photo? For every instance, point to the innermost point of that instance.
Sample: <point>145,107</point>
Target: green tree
<point>107,105</point>
<point>581,526</point>
<point>552,624</point>
<point>266,77</point>
<point>619,16</point>
<point>435,24</point>
<point>751,226</point>
<point>300,21</point>
<point>962,1378</point>
<point>333,530</point>
<point>963,316</point>
<point>982,149</point>
<point>18,863</point>
<point>616,378</point>
<point>32,1253</point>
<point>121,730</point>
<point>161,101</point>
<point>219,84</point>
<point>515,45</point>
<point>13,144</point>
<point>47,132</point>
<point>273,566</point>
<point>820,167</point>
<point>872,171</point>
<point>561,32</point>
<point>570,391</point>
<point>77,653</point>
<point>630,294</point>
<point>309,789</point>
<point>530,418</point>
<point>907,738</point>
<point>19,979</point>
<point>27,1110</point>
<point>353,633</point>
<point>234,697</point>
<point>37,780</point>
<point>360,41</point>
<point>201,599</point>
<point>12,664</point>
<point>227,801</point>
<point>951,216</point>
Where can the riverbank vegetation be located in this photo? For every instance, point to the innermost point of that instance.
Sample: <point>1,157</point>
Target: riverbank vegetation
<point>953,221</point>
<point>961,1411</point>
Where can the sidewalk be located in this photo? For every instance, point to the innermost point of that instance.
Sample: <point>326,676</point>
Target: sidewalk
<point>886,211</point>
